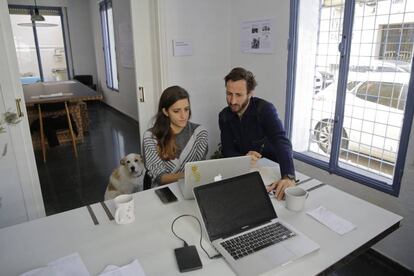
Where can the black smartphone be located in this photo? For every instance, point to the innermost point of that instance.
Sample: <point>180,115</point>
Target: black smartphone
<point>166,195</point>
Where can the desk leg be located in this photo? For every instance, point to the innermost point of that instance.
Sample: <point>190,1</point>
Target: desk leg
<point>71,130</point>
<point>42,134</point>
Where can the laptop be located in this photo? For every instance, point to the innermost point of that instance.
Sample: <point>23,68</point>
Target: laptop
<point>241,223</point>
<point>207,171</point>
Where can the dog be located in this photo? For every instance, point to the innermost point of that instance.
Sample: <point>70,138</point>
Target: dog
<point>127,178</point>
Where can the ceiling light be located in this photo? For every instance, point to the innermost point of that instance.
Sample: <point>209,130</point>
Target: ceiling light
<point>37,16</point>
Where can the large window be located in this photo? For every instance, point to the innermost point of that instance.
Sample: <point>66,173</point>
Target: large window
<point>108,38</point>
<point>40,46</point>
<point>352,102</point>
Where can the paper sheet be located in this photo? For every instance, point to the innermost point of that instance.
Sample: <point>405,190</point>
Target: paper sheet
<point>331,220</point>
<point>132,269</point>
<point>53,95</point>
<point>65,266</point>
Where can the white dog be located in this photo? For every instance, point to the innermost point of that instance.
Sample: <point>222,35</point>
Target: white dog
<point>127,178</point>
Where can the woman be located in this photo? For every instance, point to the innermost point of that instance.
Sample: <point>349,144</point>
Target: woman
<point>173,140</point>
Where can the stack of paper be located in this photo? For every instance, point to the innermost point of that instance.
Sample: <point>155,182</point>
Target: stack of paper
<point>132,269</point>
<point>331,220</point>
<point>69,265</point>
<point>60,94</point>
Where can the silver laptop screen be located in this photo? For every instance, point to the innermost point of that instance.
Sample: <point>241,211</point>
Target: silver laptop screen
<point>234,205</point>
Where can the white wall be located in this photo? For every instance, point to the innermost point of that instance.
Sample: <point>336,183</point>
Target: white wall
<point>206,24</point>
<point>269,69</point>
<point>125,100</point>
<point>81,38</point>
<point>202,74</point>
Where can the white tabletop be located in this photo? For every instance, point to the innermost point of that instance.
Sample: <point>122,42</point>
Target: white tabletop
<point>149,239</point>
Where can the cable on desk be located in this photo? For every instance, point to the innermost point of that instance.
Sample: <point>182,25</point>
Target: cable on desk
<point>201,235</point>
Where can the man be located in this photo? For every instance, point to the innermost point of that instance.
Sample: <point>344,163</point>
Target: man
<point>251,126</point>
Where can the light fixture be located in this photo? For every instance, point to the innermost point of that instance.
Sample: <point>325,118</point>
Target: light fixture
<point>37,24</point>
<point>36,16</point>
<point>37,20</point>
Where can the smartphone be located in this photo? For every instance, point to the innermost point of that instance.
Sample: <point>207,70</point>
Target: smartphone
<point>166,195</point>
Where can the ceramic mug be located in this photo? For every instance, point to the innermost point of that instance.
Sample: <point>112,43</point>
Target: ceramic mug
<point>124,205</point>
<point>295,198</point>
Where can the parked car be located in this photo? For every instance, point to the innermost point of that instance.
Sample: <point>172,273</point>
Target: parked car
<point>374,111</point>
<point>322,80</point>
<point>376,65</point>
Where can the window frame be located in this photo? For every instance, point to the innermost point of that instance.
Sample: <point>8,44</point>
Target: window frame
<point>106,45</point>
<point>331,164</point>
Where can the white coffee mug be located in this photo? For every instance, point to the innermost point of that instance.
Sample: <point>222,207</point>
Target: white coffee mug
<point>295,198</point>
<point>124,213</point>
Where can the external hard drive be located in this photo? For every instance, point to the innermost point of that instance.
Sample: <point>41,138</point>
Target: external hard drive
<point>187,258</point>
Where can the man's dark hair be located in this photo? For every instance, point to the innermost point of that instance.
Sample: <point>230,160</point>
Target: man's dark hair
<point>240,73</point>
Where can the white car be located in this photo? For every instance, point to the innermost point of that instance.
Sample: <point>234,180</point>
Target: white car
<point>374,112</point>
<point>384,66</point>
<point>322,80</point>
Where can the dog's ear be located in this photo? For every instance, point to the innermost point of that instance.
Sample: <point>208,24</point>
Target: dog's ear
<point>123,161</point>
<point>139,157</point>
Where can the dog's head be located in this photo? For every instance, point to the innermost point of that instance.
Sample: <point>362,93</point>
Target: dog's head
<point>133,162</point>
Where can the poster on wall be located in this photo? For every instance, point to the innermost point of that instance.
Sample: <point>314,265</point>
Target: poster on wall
<point>256,36</point>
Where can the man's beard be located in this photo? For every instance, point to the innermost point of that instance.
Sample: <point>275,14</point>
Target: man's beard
<point>237,108</point>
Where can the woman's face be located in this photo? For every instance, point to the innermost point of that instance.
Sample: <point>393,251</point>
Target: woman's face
<point>179,113</point>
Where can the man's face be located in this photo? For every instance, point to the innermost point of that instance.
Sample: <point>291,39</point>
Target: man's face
<point>237,96</point>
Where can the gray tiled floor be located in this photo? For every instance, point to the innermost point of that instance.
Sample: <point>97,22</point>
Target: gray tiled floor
<point>69,183</point>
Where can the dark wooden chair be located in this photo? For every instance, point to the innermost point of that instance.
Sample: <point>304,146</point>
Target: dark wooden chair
<point>147,181</point>
<point>86,80</point>
<point>53,108</point>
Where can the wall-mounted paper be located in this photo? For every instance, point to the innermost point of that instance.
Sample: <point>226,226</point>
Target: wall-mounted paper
<point>182,48</point>
<point>257,36</point>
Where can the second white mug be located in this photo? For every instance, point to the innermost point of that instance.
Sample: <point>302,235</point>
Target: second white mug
<point>295,198</point>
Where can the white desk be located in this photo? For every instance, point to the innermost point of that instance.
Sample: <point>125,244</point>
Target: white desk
<point>33,244</point>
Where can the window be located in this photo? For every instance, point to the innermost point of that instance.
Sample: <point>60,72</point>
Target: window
<point>108,39</point>
<point>40,46</point>
<point>357,126</point>
<point>397,41</point>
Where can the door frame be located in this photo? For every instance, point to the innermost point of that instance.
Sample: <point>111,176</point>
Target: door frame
<point>21,138</point>
<point>147,59</point>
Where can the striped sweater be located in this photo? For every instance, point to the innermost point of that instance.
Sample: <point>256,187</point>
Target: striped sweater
<point>195,149</point>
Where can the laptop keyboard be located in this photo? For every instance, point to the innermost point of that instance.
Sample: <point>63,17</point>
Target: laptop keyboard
<point>254,241</point>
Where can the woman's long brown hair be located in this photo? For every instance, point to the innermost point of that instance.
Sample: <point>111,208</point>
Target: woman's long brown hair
<point>167,147</point>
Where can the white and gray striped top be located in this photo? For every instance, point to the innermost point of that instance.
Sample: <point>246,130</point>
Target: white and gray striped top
<point>192,142</point>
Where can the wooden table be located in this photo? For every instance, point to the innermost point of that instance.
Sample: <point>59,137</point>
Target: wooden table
<point>73,94</point>
<point>72,90</point>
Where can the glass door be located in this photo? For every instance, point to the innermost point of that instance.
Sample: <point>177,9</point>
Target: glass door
<point>39,45</point>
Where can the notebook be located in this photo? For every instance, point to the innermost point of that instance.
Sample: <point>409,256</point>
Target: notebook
<point>207,171</point>
<point>237,211</point>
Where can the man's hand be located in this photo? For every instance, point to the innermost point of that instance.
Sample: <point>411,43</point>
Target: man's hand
<point>254,157</point>
<point>280,186</point>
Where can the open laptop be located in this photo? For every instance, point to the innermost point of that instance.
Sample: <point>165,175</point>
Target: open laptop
<point>207,171</point>
<point>233,211</point>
